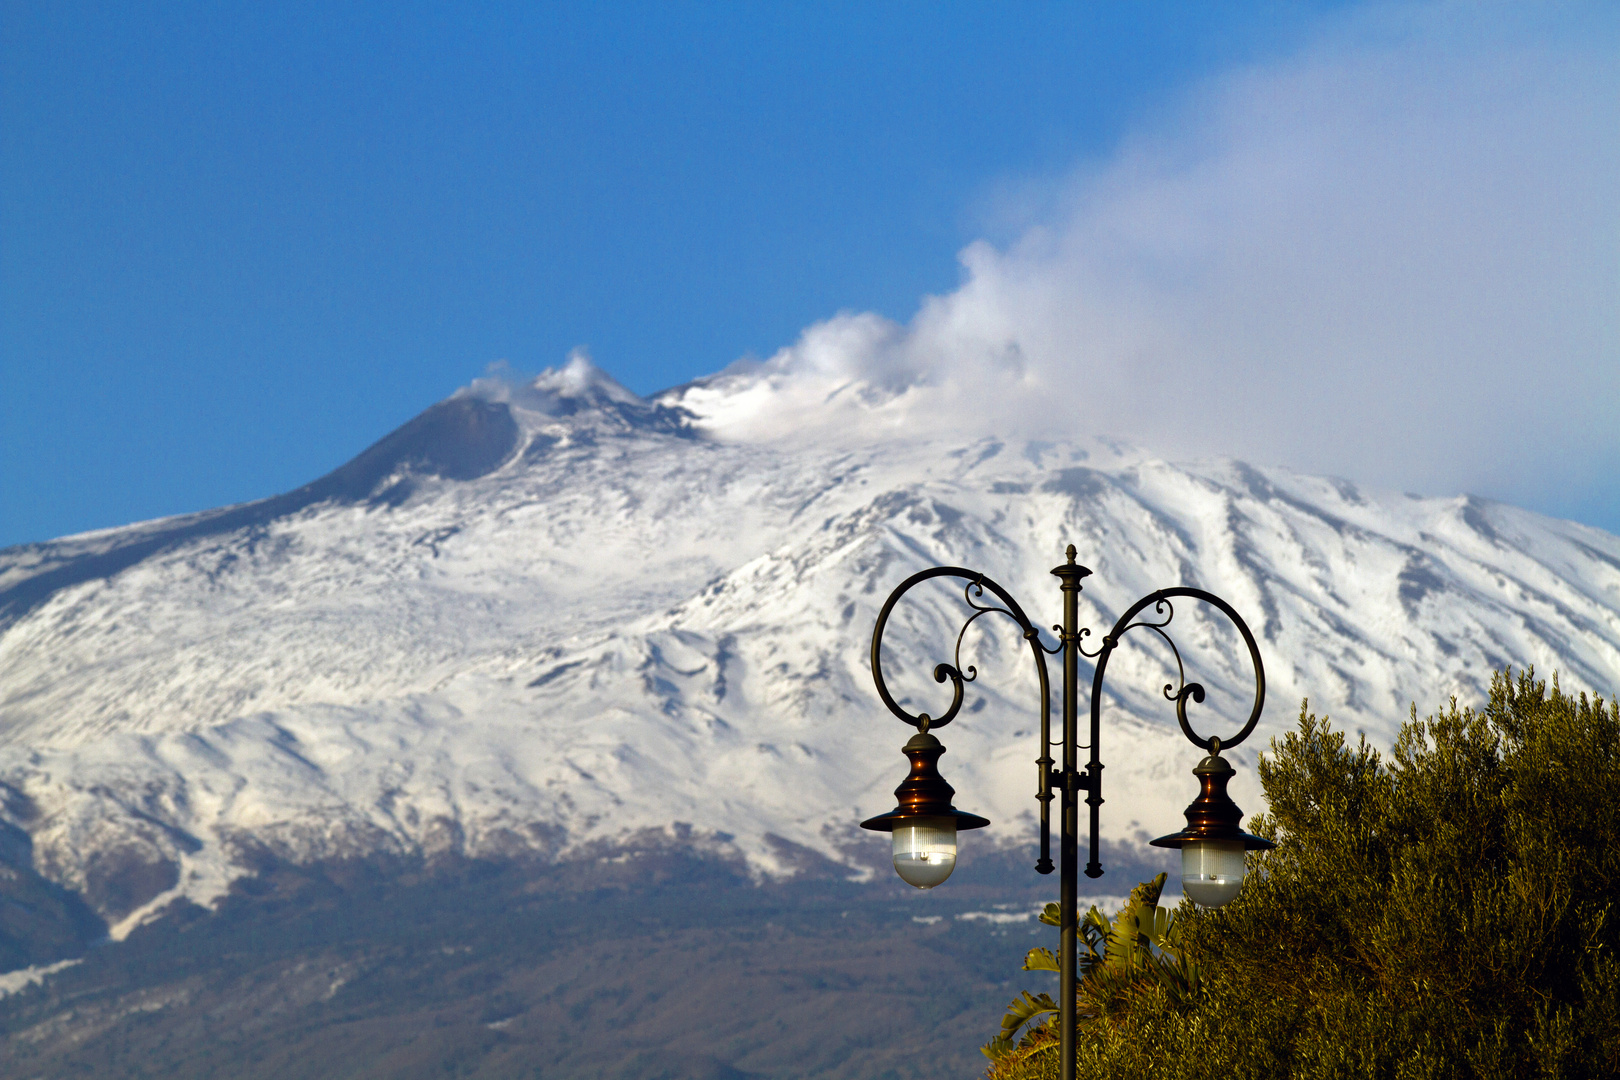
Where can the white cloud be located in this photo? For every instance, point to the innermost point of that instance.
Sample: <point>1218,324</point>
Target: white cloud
<point>1395,257</point>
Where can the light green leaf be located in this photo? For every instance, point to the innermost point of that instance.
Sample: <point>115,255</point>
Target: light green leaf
<point>1023,1008</point>
<point>1157,925</point>
<point>1041,960</point>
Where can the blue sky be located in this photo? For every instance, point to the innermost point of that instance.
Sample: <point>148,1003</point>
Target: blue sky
<point>239,244</point>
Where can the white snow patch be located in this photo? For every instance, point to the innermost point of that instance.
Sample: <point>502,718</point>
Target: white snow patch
<point>13,982</point>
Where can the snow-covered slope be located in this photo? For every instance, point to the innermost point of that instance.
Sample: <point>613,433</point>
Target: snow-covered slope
<point>555,615</point>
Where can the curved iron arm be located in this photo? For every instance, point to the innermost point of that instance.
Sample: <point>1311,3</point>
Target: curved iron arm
<point>1179,694</point>
<point>1160,600</point>
<point>958,675</point>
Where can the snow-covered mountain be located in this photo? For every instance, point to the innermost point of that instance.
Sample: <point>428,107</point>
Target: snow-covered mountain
<point>542,617</point>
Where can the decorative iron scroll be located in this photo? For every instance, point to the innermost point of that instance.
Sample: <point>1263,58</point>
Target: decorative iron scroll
<point>1071,780</point>
<point>1160,601</point>
<point>976,584</point>
<point>1181,690</point>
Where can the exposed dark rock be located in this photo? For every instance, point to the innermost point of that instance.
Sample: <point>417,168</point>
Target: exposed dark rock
<point>40,922</point>
<point>119,880</point>
<point>1417,580</point>
<point>1078,481</point>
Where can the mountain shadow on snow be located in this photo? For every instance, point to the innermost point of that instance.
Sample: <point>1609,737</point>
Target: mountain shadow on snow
<point>459,439</point>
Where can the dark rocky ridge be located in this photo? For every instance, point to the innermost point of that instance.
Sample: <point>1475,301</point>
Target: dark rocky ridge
<point>40,922</point>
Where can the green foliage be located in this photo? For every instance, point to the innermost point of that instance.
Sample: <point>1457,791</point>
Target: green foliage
<point>1139,954</point>
<point>1449,912</point>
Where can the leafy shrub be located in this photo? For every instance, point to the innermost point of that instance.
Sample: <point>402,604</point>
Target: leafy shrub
<point>1449,912</point>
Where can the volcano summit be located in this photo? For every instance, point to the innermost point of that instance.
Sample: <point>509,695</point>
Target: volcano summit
<point>554,617</point>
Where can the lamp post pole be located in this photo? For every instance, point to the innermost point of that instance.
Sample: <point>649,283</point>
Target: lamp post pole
<point>924,824</point>
<point>1072,783</point>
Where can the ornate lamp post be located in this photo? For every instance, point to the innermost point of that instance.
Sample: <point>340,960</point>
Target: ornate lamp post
<point>924,824</point>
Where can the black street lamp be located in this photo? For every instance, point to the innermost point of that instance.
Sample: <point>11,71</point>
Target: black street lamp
<point>924,824</point>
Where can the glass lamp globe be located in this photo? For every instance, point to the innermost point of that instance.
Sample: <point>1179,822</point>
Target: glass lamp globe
<point>925,850</point>
<point>1211,870</point>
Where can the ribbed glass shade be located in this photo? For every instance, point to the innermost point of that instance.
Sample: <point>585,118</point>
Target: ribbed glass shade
<point>1212,870</point>
<point>925,850</point>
